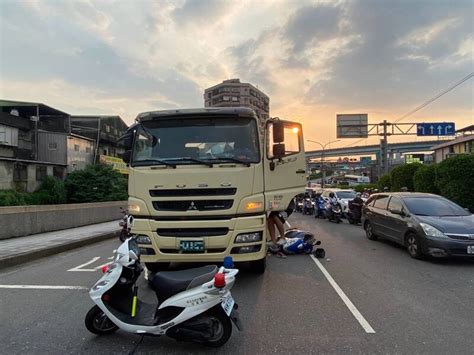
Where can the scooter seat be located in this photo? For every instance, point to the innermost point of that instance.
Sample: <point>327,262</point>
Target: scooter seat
<point>169,283</point>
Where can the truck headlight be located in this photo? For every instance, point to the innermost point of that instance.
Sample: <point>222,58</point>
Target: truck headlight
<point>133,209</point>
<point>248,237</point>
<point>431,231</point>
<point>142,239</point>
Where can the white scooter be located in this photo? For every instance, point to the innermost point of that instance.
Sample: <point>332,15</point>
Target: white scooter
<point>193,305</point>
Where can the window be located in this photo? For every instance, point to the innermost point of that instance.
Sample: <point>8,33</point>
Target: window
<point>370,201</point>
<point>107,128</point>
<point>395,204</point>
<point>381,202</point>
<point>76,147</point>
<point>226,98</point>
<point>20,172</point>
<point>433,206</point>
<point>88,149</point>
<point>40,173</point>
<point>235,99</point>
<point>52,146</point>
<point>58,172</point>
<point>292,136</point>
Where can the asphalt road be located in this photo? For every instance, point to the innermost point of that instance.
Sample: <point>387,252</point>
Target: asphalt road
<point>412,306</point>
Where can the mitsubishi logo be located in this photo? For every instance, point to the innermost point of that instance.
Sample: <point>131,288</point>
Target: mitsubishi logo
<point>192,206</point>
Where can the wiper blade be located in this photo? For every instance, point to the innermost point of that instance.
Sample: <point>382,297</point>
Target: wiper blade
<point>193,159</point>
<point>235,160</point>
<point>147,162</point>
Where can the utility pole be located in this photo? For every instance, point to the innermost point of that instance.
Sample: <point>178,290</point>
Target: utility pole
<point>323,168</point>
<point>384,148</point>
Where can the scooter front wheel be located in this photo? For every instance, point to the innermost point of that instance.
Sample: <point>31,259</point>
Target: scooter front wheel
<point>222,327</point>
<point>98,323</point>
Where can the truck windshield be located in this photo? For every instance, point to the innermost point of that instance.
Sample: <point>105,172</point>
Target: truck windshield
<point>196,140</point>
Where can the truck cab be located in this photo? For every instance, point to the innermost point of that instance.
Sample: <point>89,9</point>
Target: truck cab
<point>201,182</point>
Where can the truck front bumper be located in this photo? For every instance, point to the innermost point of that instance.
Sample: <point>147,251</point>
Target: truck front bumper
<point>217,235</point>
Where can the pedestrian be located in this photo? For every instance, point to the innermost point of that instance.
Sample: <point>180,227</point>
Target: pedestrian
<point>274,222</point>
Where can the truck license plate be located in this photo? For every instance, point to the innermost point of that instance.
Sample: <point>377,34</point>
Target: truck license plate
<point>470,249</point>
<point>228,305</point>
<point>191,246</point>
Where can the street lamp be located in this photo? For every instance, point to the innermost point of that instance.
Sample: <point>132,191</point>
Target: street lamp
<point>323,170</point>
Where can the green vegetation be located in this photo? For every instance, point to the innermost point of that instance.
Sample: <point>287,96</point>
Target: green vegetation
<point>51,192</point>
<point>424,179</point>
<point>402,176</point>
<point>362,187</point>
<point>455,179</point>
<point>384,181</point>
<point>96,183</point>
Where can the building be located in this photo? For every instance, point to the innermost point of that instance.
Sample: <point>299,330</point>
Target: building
<point>107,129</point>
<point>233,93</point>
<point>25,143</point>
<point>462,144</point>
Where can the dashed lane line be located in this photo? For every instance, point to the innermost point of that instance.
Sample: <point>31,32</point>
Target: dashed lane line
<point>355,312</point>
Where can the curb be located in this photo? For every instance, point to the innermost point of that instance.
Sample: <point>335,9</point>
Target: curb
<point>56,249</point>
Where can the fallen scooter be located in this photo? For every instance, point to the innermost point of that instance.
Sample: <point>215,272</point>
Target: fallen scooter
<point>193,305</point>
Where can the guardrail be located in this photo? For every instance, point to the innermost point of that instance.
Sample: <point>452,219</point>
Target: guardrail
<point>19,221</point>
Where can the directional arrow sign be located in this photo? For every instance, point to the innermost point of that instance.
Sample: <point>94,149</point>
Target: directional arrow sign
<point>435,129</point>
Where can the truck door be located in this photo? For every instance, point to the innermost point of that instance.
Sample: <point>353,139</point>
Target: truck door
<point>284,164</point>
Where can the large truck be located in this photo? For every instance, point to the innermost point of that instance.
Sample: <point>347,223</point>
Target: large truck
<point>203,181</point>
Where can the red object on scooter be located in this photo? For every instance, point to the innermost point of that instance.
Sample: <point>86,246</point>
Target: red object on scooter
<point>219,280</point>
<point>104,269</point>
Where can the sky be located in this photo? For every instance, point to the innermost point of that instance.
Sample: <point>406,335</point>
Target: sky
<point>315,59</point>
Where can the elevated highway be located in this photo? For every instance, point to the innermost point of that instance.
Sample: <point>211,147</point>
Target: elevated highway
<point>404,147</point>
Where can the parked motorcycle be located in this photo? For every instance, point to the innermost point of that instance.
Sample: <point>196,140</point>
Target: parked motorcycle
<point>126,224</point>
<point>320,208</point>
<point>193,305</point>
<point>334,212</point>
<point>354,213</point>
<point>308,206</point>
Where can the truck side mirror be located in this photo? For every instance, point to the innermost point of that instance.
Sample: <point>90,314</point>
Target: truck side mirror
<point>278,132</point>
<point>126,157</point>
<point>278,150</point>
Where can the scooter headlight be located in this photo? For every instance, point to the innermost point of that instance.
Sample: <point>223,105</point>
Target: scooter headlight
<point>143,239</point>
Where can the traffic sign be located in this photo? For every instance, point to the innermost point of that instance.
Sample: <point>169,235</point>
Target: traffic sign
<point>435,129</point>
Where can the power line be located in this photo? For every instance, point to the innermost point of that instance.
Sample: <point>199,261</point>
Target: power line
<point>426,103</point>
<point>466,78</point>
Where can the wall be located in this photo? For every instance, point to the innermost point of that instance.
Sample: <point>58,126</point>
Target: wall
<point>25,220</point>
<point>80,153</point>
<point>52,147</point>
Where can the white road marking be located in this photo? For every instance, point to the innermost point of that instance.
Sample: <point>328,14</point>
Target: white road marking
<point>355,312</point>
<point>80,267</point>
<point>44,287</point>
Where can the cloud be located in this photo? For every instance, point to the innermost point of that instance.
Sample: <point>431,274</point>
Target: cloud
<point>313,58</point>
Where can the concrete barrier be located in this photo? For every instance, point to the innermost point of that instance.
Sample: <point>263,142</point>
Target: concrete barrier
<point>20,221</point>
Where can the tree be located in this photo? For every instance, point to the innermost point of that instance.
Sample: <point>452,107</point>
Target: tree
<point>402,176</point>
<point>96,183</point>
<point>425,178</point>
<point>455,179</point>
<point>384,181</point>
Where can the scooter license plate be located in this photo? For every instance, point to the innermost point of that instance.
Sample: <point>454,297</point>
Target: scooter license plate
<point>470,249</point>
<point>228,304</point>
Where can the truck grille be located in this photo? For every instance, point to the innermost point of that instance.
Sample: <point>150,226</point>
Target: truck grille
<point>191,232</point>
<point>198,205</point>
<point>193,192</point>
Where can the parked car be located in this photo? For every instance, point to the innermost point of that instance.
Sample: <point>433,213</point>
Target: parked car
<point>425,224</point>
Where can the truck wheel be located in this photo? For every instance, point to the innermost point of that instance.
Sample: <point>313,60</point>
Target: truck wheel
<point>258,266</point>
<point>155,267</point>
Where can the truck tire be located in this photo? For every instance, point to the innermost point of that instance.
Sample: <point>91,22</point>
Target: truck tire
<point>258,266</point>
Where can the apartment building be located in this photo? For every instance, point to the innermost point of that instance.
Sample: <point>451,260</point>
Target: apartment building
<point>233,93</point>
